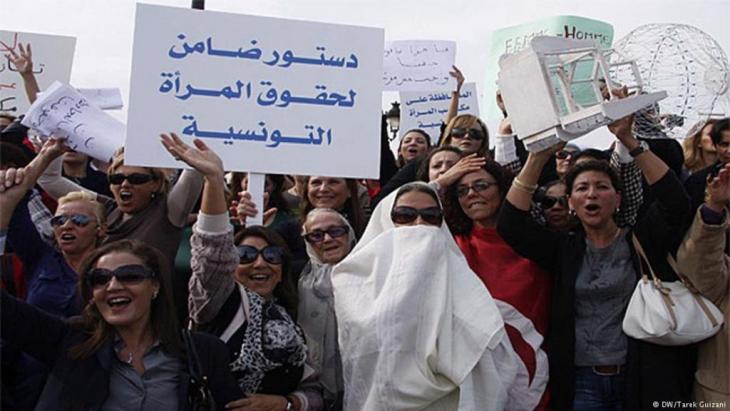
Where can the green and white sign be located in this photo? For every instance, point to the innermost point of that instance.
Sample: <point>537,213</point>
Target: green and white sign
<point>510,40</point>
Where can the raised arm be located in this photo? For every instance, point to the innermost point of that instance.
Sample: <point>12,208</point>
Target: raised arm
<point>214,257</point>
<point>454,105</point>
<point>51,164</point>
<point>23,62</point>
<point>702,257</point>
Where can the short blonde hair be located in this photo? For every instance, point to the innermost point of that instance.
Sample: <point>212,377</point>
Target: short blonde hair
<point>118,161</point>
<point>99,209</point>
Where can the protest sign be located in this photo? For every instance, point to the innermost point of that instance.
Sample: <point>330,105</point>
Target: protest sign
<point>418,65</point>
<point>65,113</point>
<point>104,98</point>
<point>510,40</point>
<point>52,59</point>
<point>426,110</point>
<point>268,95</point>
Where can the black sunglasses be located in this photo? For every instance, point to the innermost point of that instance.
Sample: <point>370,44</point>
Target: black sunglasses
<point>273,254</point>
<point>317,236</point>
<point>563,154</point>
<point>134,178</point>
<point>406,215</point>
<point>126,274</point>
<point>470,133</point>
<point>462,189</point>
<point>548,202</point>
<point>79,220</point>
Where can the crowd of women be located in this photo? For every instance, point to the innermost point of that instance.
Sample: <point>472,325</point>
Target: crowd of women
<point>463,279</point>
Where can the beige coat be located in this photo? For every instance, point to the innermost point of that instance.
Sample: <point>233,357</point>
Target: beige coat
<point>702,258</point>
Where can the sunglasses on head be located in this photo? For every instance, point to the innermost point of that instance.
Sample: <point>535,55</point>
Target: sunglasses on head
<point>549,202</point>
<point>563,154</point>
<point>126,274</point>
<point>470,133</point>
<point>317,236</point>
<point>462,189</point>
<point>134,178</point>
<point>79,220</point>
<point>273,254</point>
<point>407,215</point>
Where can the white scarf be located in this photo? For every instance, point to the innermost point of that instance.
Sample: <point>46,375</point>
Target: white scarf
<point>415,322</point>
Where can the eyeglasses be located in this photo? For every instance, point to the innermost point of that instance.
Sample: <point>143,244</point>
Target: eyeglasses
<point>134,178</point>
<point>317,236</point>
<point>470,133</point>
<point>564,154</point>
<point>548,202</point>
<point>126,274</point>
<point>79,220</point>
<point>406,215</point>
<point>462,190</point>
<point>273,254</point>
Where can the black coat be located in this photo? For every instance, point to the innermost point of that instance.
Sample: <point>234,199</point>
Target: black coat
<point>83,384</point>
<point>653,372</point>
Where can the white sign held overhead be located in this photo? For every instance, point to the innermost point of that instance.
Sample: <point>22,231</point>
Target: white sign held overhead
<point>63,112</point>
<point>427,110</point>
<point>104,98</point>
<point>418,65</point>
<point>52,59</point>
<point>268,95</point>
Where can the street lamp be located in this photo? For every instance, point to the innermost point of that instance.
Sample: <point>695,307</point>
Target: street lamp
<point>392,117</point>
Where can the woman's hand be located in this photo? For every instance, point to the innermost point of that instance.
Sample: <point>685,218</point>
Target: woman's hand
<point>456,73</point>
<point>22,61</point>
<point>200,157</point>
<point>244,208</point>
<point>464,166</point>
<point>259,402</point>
<point>52,149</point>
<point>718,190</point>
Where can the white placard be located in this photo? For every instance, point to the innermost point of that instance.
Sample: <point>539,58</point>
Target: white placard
<point>426,110</point>
<point>268,95</point>
<point>52,59</point>
<point>65,113</point>
<point>104,98</point>
<point>255,187</point>
<point>418,65</point>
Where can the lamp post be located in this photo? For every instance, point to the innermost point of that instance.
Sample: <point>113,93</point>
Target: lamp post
<point>392,117</point>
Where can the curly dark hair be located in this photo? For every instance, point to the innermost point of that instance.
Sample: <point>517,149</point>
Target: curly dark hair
<point>592,165</point>
<point>284,292</point>
<point>457,220</point>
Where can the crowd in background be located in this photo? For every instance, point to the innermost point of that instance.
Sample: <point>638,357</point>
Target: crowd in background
<point>465,277</point>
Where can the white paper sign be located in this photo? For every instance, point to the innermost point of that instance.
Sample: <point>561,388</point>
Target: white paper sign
<point>426,110</point>
<point>64,112</point>
<point>52,59</point>
<point>418,65</point>
<point>104,98</point>
<point>268,95</point>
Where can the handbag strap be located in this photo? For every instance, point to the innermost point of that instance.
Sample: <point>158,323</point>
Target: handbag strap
<point>663,291</point>
<point>192,354</point>
<point>695,293</point>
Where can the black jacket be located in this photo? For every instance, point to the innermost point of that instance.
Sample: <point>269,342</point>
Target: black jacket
<point>83,384</point>
<point>653,372</point>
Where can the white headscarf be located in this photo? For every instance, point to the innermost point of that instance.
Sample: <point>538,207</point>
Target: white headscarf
<point>317,315</point>
<point>414,321</point>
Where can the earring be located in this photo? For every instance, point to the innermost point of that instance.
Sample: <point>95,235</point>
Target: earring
<point>154,294</point>
<point>572,212</point>
<point>153,195</point>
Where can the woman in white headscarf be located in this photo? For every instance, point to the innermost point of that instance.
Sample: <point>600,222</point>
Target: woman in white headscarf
<point>417,330</point>
<point>329,238</point>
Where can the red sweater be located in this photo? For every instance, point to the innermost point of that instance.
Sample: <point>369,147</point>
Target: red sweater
<point>522,291</point>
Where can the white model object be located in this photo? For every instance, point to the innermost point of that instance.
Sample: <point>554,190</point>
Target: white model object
<point>555,90</point>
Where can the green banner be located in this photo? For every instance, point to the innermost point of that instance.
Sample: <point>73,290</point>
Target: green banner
<point>510,40</point>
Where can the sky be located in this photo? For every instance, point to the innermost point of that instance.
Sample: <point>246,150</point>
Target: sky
<point>104,28</point>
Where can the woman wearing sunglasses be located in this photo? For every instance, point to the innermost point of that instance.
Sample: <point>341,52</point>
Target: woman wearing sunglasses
<point>143,208</point>
<point>520,287</point>
<point>241,290</point>
<point>417,330</point>
<point>596,270</point>
<point>125,350</point>
<point>329,239</point>
<point>553,203</point>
